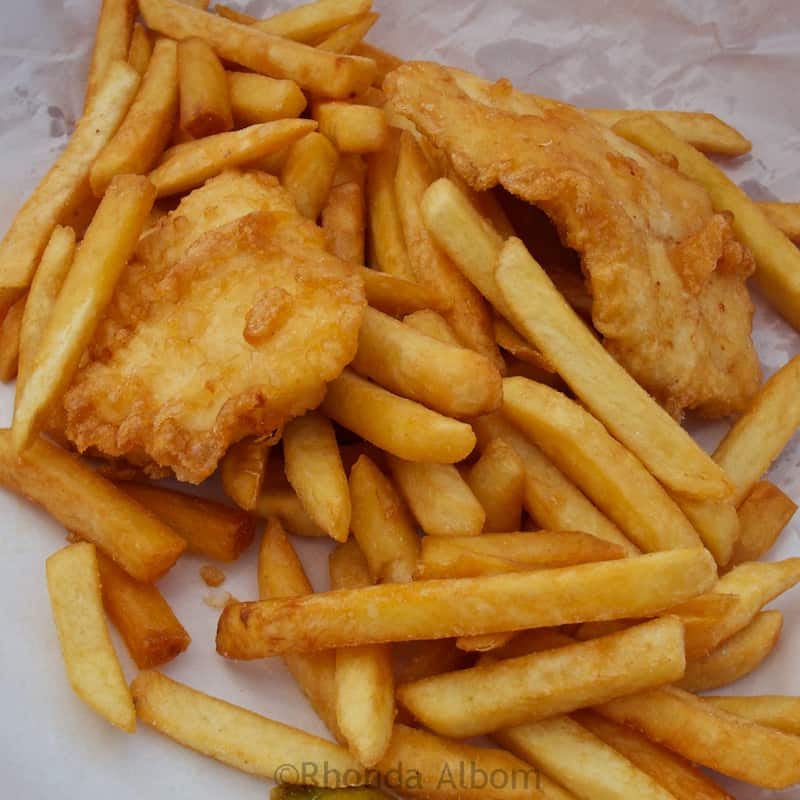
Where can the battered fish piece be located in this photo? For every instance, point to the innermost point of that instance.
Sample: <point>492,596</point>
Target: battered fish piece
<point>667,278</point>
<point>228,326</point>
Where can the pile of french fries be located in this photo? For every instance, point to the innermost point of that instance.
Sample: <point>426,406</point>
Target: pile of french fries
<point>563,575</point>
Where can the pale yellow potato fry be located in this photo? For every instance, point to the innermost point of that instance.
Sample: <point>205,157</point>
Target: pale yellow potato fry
<point>496,553</point>
<point>10,331</point>
<point>774,711</point>
<point>432,324</point>
<point>566,751</point>
<point>87,290</point>
<point>452,380</point>
<point>65,184</point>
<point>308,173</point>
<point>439,498</point>
<point>397,296</point>
<point>145,131</point>
<point>682,779</point>
<point>785,217</point>
<point>439,609</point>
<point>187,166</point>
<point>93,669</point>
<point>716,522</point>
<point>710,737</point>
<point>395,424</point>
<point>318,71</point>
<point>484,643</point>
<point>282,502</point>
<point>112,42</point>
<point>606,471</point>
<point>777,259</point>
<point>347,38</point>
<point>344,223</point>
<point>243,469</point>
<point>382,525</point>
<point>237,737</point>
<point>257,98</point>
<point>205,103</point>
<point>763,515</point>
<point>497,479</point>
<point>352,128</point>
<point>365,708</point>
<point>141,49</point>
<point>385,62</point>
<point>492,696</point>
<point>611,394</point>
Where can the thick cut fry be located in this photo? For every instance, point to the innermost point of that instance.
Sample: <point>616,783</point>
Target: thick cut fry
<point>141,49</point>
<point>710,737</point>
<point>385,62</point>
<point>514,691</point>
<point>209,528</point>
<point>352,128</point>
<point>112,42</point>
<point>716,522</point>
<point>439,498</point>
<point>631,587</point>
<point>343,220</point>
<point>318,71</point>
<point>397,296</point>
<point>314,469</point>
<point>148,626</point>
<point>145,131</point>
<point>432,324</point>
<point>10,333</point>
<point>610,393</point>
<point>785,217</point>
<point>67,181</point>
<point>348,37</point>
<point>496,553</point>
<point>777,259</point>
<point>308,173</point>
<point>774,711</point>
<point>93,669</point>
<point>762,517</point>
<point>243,470</point>
<point>452,380</point>
<point>497,479</point>
<point>238,737</point>
<point>610,475</point>
<point>257,98</point>
<point>283,503</point>
<point>364,681</point>
<point>399,426</point>
<point>205,107</point>
<point>87,291</point>
<point>189,165</point>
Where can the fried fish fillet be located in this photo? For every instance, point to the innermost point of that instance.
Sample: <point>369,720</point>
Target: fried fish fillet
<point>230,323</point>
<point>666,276</point>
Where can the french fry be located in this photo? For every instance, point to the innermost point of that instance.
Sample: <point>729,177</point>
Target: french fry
<point>233,14</point>
<point>397,296</point>
<point>515,691</point>
<point>65,184</point>
<point>93,669</point>
<point>281,501</point>
<point>350,454</point>
<point>773,711</point>
<point>205,103</point>
<point>352,128</point>
<point>343,220</point>
<point>145,131</point>
<point>496,553</point>
<point>385,62</point>
<point>243,469</point>
<point>112,42</point>
<point>497,479</point>
<point>257,98</point>
<point>364,681</point>
<point>716,522</point>
<point>613,396</point>
<point>347,38</point>
<point>439,498</point>
<point>777,259</point>
<point>208,528</point>
<point>189,165</point>
<point>452,380</point>
<point>510,340</point>
<point>763,515</point>
<point>606,471</point>
<point>87,290</point>
<point>785,217</point>
<point>141,49</point>
<point>710,737</point>
<point>416,660</point>
<point>432,324</point>
<point>10,331</point>
<point>237,737</point>
<point>314,469</point>
<point>318,71</point>
<point>351,168</point>
<point>484,643</point>
<point>399,426</point>
<point>537,640</point>
<point>630,587</point>
<point>148,626</point>
<point>308,173</point>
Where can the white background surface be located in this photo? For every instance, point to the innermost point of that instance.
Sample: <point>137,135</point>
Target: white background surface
<point>739,59</point>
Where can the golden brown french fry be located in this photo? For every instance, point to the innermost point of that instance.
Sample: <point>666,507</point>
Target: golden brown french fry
<point>343,220</point>
<point>324,73</point>
<point>238,737</point>
<point>774,711</point>
<point>438,497</point>
<point>536,640</point>
<point>484,643</point>
<point>243,469</point>
<point>257,98</point>
<point>385,62</point>
<point>346,39</point>
<point>785,217</point>
<point>209,528</point>
<point>112,42</point>
<point>10,331</point>
<point>189,165</point>
<point>351,168</point>
<point>395,424</point>
<point>148,626</point>
<point>763,515</point>
<point>452,380</point>
<point>314,469</point>
<point>308,173</point>
<point>67,181</point>
<point>141,49</point>
<point>439,609</point>
<point>397,296</point>
<point>87,290</point>
<point>497,479</point>
<point>510,340</point>
<point>352,128</point>
<point>282,502</point>
<point>710,737</point>
<point>716,522</point>
<point>432,324</point>
<point>613,396</point>
<point>416,660</point>
<point>145,131</point>
<point>205,103</point>
<point>777,259</point>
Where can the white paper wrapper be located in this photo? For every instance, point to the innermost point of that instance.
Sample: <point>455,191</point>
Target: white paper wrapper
<point>737,59</point>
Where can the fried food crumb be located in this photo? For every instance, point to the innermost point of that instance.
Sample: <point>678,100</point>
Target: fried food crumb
<point>213,576</point>
<point>219,599</point>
